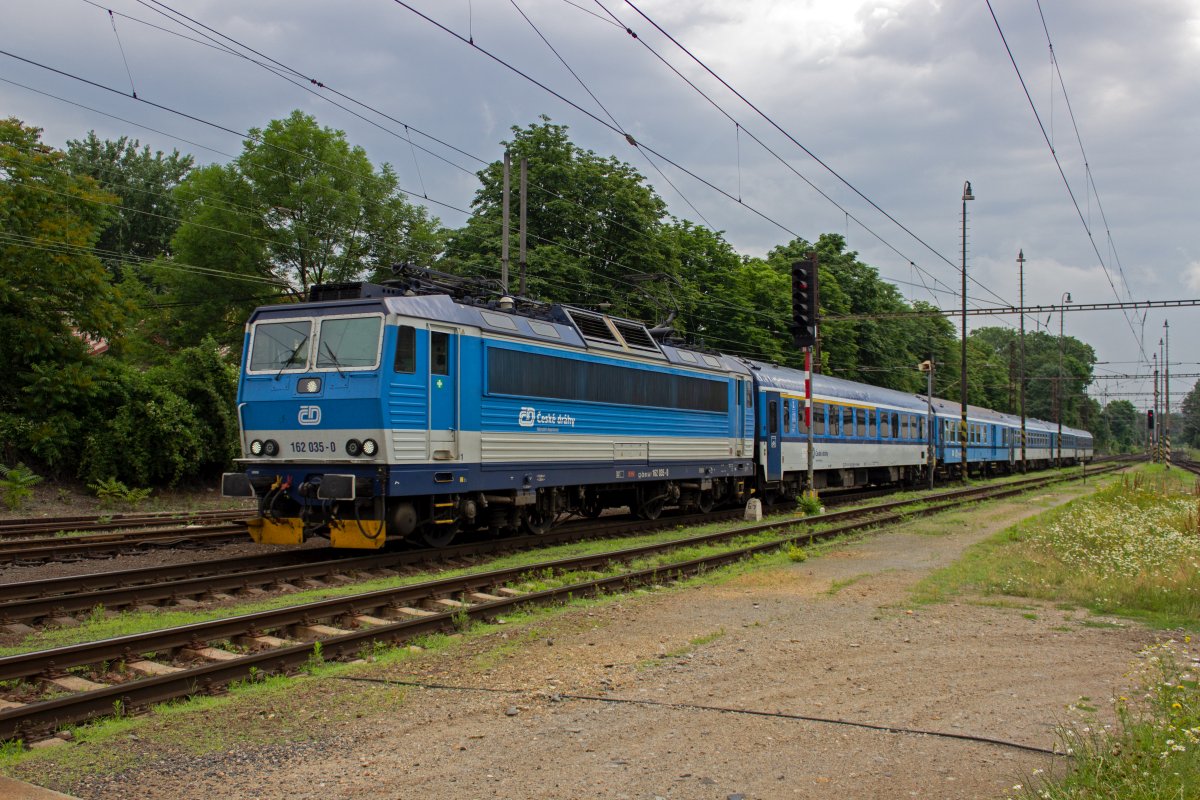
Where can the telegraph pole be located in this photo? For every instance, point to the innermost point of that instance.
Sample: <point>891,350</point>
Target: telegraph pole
<point>504,227</point>
<point>524,179</point>
<point>1021,280</point>
<point>962,386</point>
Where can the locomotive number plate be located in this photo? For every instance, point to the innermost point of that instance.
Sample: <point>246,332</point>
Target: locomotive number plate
<point>314,447</point>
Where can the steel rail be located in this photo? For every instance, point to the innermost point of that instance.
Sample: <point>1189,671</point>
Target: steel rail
<point>30,526</point>
<point>41,716</point>
<point>107,544</point>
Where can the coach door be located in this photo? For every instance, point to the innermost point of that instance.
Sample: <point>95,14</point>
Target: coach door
<point>741,392</point>
<point>774,413</point>
<point>444,409</point>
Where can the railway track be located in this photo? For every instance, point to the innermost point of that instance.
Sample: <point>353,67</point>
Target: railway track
<point>52,526</point>
<point>106,545</point>
<point>202,657</point>
<point>59,601</point>
<point>1191,466</point>
<point>56,600</point>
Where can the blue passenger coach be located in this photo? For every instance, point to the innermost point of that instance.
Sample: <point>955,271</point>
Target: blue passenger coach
<point>376,411</point>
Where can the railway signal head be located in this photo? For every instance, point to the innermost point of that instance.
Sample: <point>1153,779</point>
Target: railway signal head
<point>804,301</point>
<point>1150,419</point>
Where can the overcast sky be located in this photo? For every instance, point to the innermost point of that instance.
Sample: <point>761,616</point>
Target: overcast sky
<point>905,99</point>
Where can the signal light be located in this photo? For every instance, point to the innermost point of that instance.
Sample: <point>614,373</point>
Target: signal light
<point>804,301</point>
<point>1150,419</point>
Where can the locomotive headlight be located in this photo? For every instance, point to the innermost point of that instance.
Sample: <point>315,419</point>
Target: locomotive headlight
<point>309,386</point>
<point>369,447</point>
<point>271,447</point>
<point>354,448</point>
<point>256,447</point>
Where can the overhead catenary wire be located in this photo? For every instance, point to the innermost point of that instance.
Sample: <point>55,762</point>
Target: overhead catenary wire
<point>226,49</point>
<point>1086,161</point>
<point>802,147</point>
<point>1063,174</point>
<point>620,127</point>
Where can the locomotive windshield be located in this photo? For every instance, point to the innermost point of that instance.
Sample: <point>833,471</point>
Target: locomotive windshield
<point>280,345</point>
<point>349,343</point>
<point>338,343</point>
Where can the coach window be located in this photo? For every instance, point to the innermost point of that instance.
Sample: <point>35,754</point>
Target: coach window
<point>885,428</point>
<point>406,349</point>
<point>835,420</point>
<point>861,417</point>
<point>787,416</point>
<point>873,423</point>
<point>439,353</point>
<point>818,413</point>
<point>800,426</point>
<point>773,416</point>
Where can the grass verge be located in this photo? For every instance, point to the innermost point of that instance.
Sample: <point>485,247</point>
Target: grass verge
<point>1131,549</point>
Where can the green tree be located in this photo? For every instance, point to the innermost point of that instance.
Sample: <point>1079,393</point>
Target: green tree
<point>1191,417</point>
<point>146,213</point>
<point>594,228</point>
<point>299,206</point>
<point>1122,421</point>
<point>55,296</point>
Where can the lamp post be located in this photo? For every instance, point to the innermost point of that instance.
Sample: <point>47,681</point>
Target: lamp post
<point>1066,298</point>
<point>1021,281</point>
<point>962,386</point>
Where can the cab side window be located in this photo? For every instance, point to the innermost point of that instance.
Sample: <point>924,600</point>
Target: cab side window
<point>406,349</point>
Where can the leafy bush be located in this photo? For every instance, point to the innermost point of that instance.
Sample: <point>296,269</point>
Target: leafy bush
<point>112,491</point>
<point>177,422</point>
<point>809,503</point>
<point>16,483</point>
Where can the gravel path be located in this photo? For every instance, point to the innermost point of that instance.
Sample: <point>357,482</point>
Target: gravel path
<point>831,637</point>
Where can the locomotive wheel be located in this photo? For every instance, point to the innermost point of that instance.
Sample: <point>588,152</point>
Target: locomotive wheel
<point>706,502</point>
<point>537,522</point>
<point>439,535</point>
<point>652,508</point>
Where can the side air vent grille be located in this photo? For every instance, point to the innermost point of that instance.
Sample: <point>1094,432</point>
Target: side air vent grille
<point>593,327</point>
<point>636,336</point>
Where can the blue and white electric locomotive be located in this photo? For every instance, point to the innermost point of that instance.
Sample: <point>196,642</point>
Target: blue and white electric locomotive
<point>400,411</point>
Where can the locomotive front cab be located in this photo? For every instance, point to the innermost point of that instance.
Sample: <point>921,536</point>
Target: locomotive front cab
<point>311,423</point>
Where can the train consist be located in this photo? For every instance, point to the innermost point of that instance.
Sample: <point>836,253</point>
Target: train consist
<point>421,407</point>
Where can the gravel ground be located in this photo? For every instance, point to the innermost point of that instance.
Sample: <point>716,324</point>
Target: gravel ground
<point>830,637</point>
